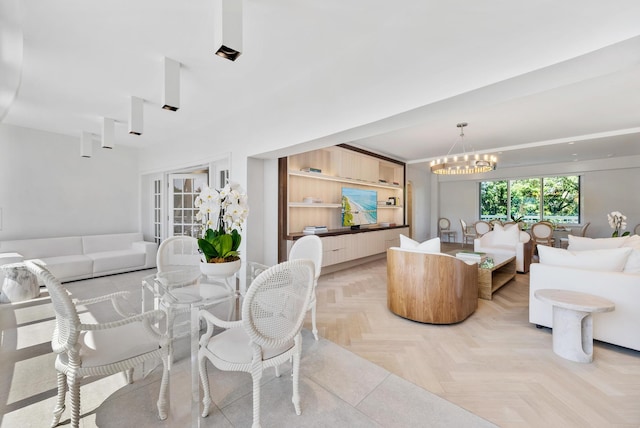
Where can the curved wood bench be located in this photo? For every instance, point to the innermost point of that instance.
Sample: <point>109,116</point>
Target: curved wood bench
<point>430,287</point>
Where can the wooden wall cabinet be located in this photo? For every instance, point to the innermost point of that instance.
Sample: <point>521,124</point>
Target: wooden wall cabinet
<point>339,166</point>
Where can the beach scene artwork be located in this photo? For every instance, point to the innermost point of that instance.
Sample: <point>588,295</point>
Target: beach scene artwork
<point>359,206</point>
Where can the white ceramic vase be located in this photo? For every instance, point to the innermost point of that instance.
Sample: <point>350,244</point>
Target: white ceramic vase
<point>220,270</point>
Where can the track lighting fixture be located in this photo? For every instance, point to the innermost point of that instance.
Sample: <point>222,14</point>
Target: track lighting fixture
<point>136,116</point>
<point>228,28</point>
<point>171,89</point>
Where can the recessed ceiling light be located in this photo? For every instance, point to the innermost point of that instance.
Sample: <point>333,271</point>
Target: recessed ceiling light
<point>571,142</point>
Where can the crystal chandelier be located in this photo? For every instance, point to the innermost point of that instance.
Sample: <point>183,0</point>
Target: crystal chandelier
<point>465,164</point>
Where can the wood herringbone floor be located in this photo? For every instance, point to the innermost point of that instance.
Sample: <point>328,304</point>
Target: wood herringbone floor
<point>494,364</point>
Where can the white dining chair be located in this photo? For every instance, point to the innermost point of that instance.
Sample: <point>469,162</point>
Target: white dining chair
<point>310,247</point>
<point>268,334</point>
<point>98,349</point>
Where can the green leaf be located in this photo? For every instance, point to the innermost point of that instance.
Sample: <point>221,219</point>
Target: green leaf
<point>626,233</point>
<point>207,248</point>
<point>236,237</point>
<point>224,245</point>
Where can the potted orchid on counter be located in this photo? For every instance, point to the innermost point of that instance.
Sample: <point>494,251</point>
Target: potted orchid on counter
<point>618,223</point>
<point>222,213</point>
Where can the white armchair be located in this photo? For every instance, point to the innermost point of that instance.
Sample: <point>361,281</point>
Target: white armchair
<point>99,349</point>
<point>507,241</point>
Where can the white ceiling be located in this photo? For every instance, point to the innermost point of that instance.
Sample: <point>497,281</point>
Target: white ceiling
<point>394,77</point>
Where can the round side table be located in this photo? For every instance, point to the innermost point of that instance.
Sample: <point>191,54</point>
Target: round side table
<point>19,284</point>
<point>573,321</point>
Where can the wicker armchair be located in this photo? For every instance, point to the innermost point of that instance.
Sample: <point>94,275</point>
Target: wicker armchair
<point>99,349</point>
<point>310,247</point>
<point>268,335</point>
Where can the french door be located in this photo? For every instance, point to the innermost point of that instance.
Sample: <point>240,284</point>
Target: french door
<point>182,192</point>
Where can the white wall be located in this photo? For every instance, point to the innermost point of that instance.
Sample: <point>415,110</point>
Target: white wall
<point>607,185</point>
<point>47,189</point>
<point>421,214</point>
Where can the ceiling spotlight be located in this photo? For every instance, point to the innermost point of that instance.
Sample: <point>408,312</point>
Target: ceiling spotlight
<point>171,89</point>
<point>135,116</point>
<point>227,36</point>
<point>86,144</point>
<point>108,133</point>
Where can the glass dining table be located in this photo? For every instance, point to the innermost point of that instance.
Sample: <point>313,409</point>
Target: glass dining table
<point>183,294</point>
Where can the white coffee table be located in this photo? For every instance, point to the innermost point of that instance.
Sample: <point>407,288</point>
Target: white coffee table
<point>573,321</point>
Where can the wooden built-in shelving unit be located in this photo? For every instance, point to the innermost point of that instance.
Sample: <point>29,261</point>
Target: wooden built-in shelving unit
<point>340,166</point>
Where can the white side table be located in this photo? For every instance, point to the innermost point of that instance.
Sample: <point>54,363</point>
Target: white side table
<point>19,284</point>
<point>573,321</point>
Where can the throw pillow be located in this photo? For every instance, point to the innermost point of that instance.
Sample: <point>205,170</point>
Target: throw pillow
<point>632,241</point>
<point>505,236</point>
<point>580,243</point>
<point>609,260</point>
<point>633,262</point>
<point>430,246</point>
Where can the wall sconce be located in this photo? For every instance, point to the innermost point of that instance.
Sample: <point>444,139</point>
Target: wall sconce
<point>86,144</point>
<point>171,90</point>
<point>227,36</point>
<point>108,133</point>
<point>135,116</point>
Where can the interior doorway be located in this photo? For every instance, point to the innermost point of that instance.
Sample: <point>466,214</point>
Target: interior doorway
<point>183,189</point>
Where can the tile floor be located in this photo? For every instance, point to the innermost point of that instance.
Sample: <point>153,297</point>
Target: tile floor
<point>337,388</point>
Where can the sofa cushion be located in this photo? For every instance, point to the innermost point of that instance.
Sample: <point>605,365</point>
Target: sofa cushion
<point>43,247</point>
<point>505,236</point>
<point>429,246</point>
<point>610,260</point>
<point>580,243</point>
<point>67,268</point>
<point>116,241</point>
<point>110,261</point>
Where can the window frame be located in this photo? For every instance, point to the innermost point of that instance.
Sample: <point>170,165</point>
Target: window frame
<point>541,202</point>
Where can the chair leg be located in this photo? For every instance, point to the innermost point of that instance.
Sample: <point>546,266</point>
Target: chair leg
<point>163,397</point>
<point>74,396</point>
<point>62,392</point>
<point>204,379</point>
<point>296,376</point>
<point>256,375</point>
<point>129,375</point>
<point>313,319</point>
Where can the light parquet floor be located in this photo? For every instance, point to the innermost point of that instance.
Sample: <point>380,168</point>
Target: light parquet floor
<point>494,364</point>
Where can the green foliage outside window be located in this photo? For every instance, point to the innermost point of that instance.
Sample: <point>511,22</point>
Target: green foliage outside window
<point>556,199</point>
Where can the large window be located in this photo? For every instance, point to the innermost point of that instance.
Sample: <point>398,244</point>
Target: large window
<point>556,199</point>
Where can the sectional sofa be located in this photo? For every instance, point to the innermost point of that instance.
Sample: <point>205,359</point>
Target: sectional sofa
<point>605,267</point>
<point>80,257</point>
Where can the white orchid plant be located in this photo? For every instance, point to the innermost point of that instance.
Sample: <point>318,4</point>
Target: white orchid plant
<point>618,223</point>
<point>222,212</point>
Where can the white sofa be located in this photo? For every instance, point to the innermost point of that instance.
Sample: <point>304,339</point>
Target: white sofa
<point>604,268</point>
<point>80,257</point>
<point>505,241</point>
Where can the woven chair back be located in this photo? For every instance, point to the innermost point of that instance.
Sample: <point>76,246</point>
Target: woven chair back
<point>275,305</point>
